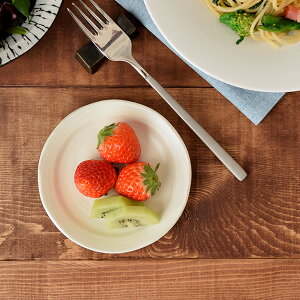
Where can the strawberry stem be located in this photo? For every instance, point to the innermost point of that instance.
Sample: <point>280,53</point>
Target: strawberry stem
<point>105,132</point>
<point>151,181</point>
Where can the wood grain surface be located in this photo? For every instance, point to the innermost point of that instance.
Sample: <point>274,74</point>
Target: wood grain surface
<point>51,62</point>
<point>224,218</point>
<point>258,218</point>
<point>151,279</point>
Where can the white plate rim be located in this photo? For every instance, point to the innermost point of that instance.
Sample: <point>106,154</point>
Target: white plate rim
<point>149,242</point>
<point>192,62</point>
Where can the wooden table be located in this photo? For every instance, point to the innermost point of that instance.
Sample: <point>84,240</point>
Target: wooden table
<point>235,240</point>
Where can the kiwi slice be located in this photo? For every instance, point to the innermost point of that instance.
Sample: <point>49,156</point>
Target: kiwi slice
<point>103,206</point>
<point>131,216</point>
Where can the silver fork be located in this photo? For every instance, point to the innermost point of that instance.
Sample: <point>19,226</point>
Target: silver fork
<point>113,43</point>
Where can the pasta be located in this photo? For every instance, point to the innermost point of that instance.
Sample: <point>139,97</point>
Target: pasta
<point>260,8</point>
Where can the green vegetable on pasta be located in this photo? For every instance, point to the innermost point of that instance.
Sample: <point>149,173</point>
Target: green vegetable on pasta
<point>278,24</point>
<point>274,21</point>
<point>238,21</point>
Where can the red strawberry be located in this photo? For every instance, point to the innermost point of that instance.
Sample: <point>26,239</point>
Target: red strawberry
<point>119,143</point>
<point>138,181</point>
<point>94,178</point>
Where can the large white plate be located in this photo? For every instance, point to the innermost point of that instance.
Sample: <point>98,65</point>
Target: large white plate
<point>74,140</point>
<point>195,32</point>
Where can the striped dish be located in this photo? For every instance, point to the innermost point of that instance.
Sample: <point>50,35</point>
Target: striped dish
<point>41,18</point>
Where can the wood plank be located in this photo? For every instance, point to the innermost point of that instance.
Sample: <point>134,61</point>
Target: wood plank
<point>224,218</point>
<point>52,63</point>
<point>151,279</point>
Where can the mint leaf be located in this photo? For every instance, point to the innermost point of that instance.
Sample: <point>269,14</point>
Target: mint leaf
<point>22,6</point>
<point>16,29</point>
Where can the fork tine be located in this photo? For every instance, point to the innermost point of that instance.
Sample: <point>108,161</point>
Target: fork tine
<point>95,27</point>
<point>81,25</point>
<point>93,14</point>
<point>102,12</point>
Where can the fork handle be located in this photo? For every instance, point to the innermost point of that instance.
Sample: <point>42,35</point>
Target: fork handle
<point>208,140</point>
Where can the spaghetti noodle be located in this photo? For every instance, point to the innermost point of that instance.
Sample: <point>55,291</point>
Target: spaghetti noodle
<point>260,8</point>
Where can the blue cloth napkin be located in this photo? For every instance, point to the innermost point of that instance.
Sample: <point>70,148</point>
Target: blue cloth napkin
<point>254,105</point>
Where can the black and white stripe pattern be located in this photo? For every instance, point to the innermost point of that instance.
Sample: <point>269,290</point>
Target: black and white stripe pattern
<point>42,16</point>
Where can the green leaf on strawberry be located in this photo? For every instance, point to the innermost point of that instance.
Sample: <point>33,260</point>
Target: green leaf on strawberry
<point>105,132</point>
<point>151,182</point>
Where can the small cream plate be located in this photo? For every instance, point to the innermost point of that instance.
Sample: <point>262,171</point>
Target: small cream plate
<point>75,139</point>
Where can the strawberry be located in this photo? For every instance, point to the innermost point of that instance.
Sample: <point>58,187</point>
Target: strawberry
<point>118,143</point>
<point>94,178</point>
<point>138,181</point>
